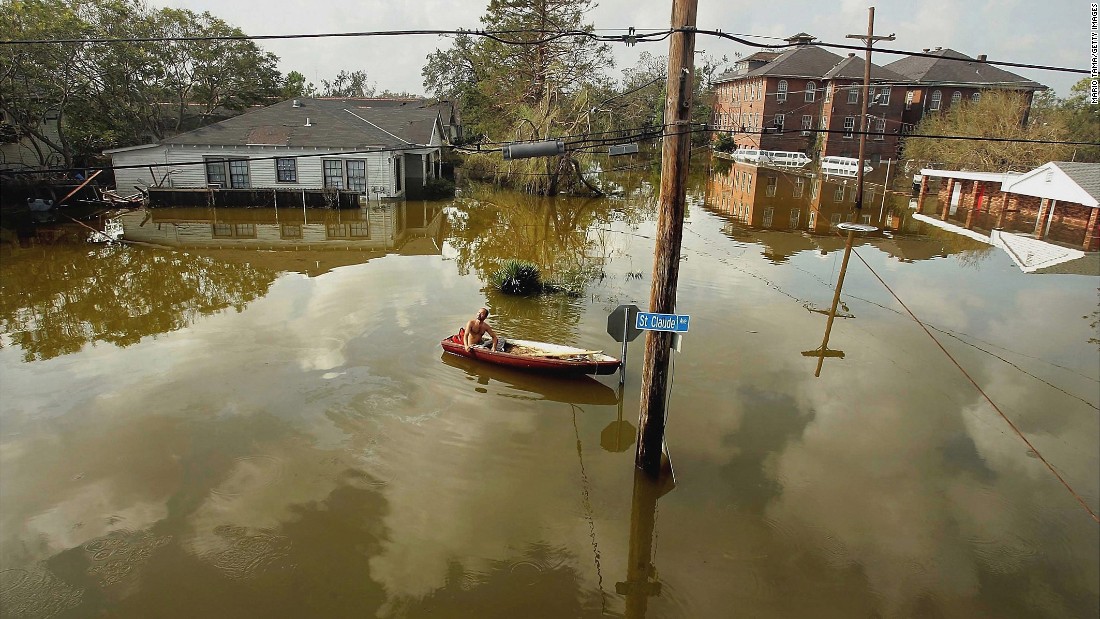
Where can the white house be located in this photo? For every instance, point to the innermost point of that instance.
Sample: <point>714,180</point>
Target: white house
<point>311,144</point>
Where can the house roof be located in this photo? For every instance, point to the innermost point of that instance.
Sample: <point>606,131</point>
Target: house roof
<point>325,123</point>
<point>802,61</point>
<point>852,68</point>
<point>947,66</point>
<point>1086,175</point>
<point>1065,181</point>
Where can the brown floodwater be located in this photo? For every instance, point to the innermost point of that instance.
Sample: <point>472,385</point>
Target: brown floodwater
<point>247,413</point>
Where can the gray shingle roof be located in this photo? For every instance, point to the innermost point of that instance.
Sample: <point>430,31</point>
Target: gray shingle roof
<point>852,68</point>
<point>333,123</point>
<point>963,71</point>
<point>1086,175</point>
<point>807,61</point>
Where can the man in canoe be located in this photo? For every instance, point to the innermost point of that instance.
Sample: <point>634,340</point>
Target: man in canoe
<point>477,328</point>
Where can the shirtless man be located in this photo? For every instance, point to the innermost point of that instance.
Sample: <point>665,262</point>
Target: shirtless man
<point>478,327</point>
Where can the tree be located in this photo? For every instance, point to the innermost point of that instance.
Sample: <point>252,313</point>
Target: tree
<point>1082,120</point>
<point>296,86</point>
<point>527,83</point>
<point>998,114</point>
<point>75,99</point>
<point>352,85</point>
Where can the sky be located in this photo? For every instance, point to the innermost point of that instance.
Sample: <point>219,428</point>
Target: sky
<point>1051,33</point>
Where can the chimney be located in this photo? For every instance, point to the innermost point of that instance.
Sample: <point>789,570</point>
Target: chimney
<point>981,57</point>
<point>926,50</point>
<point>851,54</point>
<point>938,48</point>
<point>308,124</point>
<point>297,103</point>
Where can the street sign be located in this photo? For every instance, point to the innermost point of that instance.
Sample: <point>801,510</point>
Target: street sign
<point>621,322</point>
<point>676,323</point>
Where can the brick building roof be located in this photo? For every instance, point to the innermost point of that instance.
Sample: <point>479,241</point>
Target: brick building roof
<point>852,68</point>
<point>807,61</point>
<point>955,68</point>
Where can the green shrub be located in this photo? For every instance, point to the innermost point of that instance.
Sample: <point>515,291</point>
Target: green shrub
<point>518,278</point>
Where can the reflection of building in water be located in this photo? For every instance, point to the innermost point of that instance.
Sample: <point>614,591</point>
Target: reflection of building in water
<point>303,240</point>
<point>776,199</point>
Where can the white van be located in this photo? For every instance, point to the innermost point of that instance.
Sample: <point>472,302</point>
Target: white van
<point>751,155</point>
<point>788,158</point>
<point>842,166</point>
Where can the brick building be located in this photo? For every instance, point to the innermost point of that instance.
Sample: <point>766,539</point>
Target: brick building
<point>774,101</point>
<point>936,83</point>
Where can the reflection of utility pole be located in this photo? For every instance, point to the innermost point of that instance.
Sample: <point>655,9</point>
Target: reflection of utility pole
<point>675,155</point>
<point>868,39</point>
<point>824,350</point>
<point>641,575</point>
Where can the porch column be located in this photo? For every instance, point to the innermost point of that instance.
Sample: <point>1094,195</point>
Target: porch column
<point>1040,221</point>
<point>973,206</point>
<point>1004,208</point>
<point>922,194</point>
<point>947,202</point>
<point>1092,231</point>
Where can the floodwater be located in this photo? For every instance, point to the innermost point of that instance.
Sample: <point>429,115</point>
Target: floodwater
<point>248,414</point>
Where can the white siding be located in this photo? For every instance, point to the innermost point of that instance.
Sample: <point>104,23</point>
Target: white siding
<point>126,179</point>
<point>261,171</point>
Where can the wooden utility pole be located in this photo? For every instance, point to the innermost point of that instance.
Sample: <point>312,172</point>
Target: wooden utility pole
<point>675,153</point>
<point>869,39</point>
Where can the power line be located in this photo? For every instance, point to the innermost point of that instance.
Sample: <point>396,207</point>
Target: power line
<point>633,36</point>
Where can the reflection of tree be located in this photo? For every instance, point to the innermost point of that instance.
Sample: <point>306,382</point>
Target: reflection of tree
<point>74,295</point>
<point>552,233</point>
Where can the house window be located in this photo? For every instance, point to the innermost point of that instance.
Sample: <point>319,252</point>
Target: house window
<point>834,219</point>
<point>811,92</point>
<point>286,170</point>
<point>815,187</point>
<point>824,122</point>
<point>884,95</point>
<point>359,230</point>
<point>779,120</point>
<point>853,93</point>
<point>976,97</point>
<point>880,128</point>
<point>215,172</point>
<point>244,231</point>
<point>769,213</point>
<point>795,216</point>
<point>222,230</point>
<point>333,173</point>
<point>799,182</point>
<point>772,184</point>
<point>956,97</point>
<point>934,101</point>
<point>813,219</point>
<point>238,173</point>
<point>227,173</point>
<point>828,92</point>
<point>849,126</point>
<point>838,195</point>
<point>781,93</point>
<point>908,99</point>
<point>357,175</point>
<point>290,231</point>
<point>866,219</point>
<point>807,124</point>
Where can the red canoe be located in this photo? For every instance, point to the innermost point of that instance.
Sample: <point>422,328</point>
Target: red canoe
<point>538,356</point>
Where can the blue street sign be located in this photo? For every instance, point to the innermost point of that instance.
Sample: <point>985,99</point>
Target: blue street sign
<point>649,321</point>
